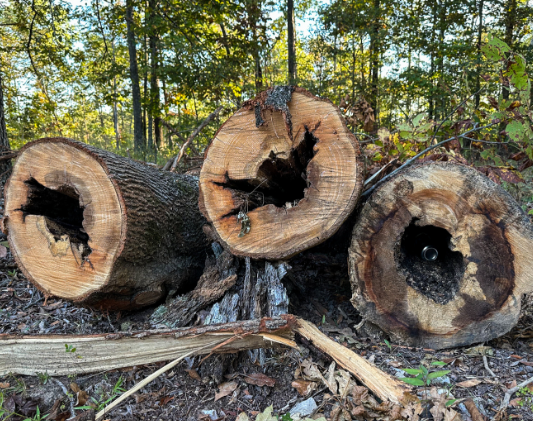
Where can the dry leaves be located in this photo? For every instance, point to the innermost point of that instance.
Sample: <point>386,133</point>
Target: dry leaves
<point>193,374</point>
<point>469,383</point>
<point>304,387</point>
<point>259,379</point>
<point>225,389</point>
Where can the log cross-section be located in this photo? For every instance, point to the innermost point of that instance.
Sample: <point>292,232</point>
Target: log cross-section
<point>281,175</point>
<point>440,257</point>
<point>91,226</point>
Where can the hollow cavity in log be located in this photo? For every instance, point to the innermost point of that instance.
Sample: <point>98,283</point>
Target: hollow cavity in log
<point>62,211</point>
<point>279,182</point>
<point>425,258</point>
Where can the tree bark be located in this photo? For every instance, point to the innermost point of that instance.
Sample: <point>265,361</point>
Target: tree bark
<point>93,227</point>
<point>291,46</point>
<point>479,40</point>
<point>281,175</point>
<point>375,49</point>
<point>138,138</point>
<point>480,241</point>
<point>155,103</point>
<point>5,165</point>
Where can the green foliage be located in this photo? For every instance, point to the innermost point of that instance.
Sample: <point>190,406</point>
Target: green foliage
<point>105,399</point>
<point>423,377</point>
<point>43,378</point>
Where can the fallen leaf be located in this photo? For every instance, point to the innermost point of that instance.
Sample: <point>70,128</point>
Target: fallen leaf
<point>193,374</point>
<point>242,417</point>
<point>266,415</point>
<point>4,385</point>
<point>480,350</point>
<point>260,379</point>
<point>225,389</point>
<point>304,387</point>
<point>165,399</point>
<point>82,398</point>
<point>469,383</point>
<point>515,402</point>
<point>3,252</point>
<point>530,387</point>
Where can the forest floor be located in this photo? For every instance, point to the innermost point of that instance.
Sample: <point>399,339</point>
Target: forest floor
<point>191,392</point>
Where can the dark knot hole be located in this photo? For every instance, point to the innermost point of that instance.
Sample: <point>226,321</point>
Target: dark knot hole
<point>430,266</point>
<point>62,211</point>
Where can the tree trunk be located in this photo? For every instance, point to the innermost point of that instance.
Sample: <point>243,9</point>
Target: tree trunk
<point>138,138</point>
<point>375,48</point>
<point>478,61</point>
<point>291,46</point>
<point>93,227</point>
<point>440,257</point>
<point>155,103</point>
<point>281,175</point>
<point>5,165</point>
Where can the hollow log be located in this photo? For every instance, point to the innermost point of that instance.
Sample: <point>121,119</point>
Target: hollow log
<point>440,257</point>
<point>281,175</point>
<point>93,227</point>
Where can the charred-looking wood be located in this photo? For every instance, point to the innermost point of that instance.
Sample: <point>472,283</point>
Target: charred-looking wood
<point>281,175</point>
<point>62,211</point>
<point>93,227</point>
<point>424,256</point>
<point>440,257</point>
<point>280,182</point>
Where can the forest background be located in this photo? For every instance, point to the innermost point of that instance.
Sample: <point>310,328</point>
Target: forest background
<point>138,76</point>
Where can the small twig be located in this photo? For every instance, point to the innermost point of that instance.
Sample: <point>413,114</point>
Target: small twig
<point>452,113</point>
<point>484,141</point>
<point>65,391</point>
<point>368,181</point>
<point>193,135</point>
<point>511,392</point>
<point>411,160</point>
<point>151,377</point>
<point>486,364</point>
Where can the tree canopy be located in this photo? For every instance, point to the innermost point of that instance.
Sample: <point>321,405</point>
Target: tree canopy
<point>138,76</point>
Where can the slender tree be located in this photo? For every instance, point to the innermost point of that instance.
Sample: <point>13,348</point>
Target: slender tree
<point>291,43</point>
<point>4,141</point>
<point>138,138</point>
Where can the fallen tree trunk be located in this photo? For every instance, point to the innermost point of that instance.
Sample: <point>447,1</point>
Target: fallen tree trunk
<point>440,257</point>
<point>29,355</point>
<point>281,175</point>
<point>93,227</point>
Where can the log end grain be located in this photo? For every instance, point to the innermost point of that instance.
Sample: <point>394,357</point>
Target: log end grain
<point>68,229</point>
<point>281,175</point>
<point>481,238</point>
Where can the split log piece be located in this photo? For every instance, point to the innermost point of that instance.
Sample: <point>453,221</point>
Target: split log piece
<point>29,355</point>
<point>440,257</point>
<point>380,383</point>
<point>281,175</point>
<point>93,227</point>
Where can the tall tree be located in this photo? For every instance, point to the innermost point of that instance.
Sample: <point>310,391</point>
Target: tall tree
<point>155,100</point>
<point>138,138</point>
<point>291,43</point>
<point>4,141</point>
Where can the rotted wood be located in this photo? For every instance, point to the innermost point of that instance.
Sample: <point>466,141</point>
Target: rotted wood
<point>440,257</point>
<point>29,355</point>
<point>93,227</point>
<point>281,175</point>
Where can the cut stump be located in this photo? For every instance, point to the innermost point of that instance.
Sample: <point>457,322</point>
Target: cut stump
<point>93,227</point>
<point>281,175</point>
<point>440,257</point>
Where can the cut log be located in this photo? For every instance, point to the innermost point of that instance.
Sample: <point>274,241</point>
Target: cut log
<point>440,256</point>
<point>281,175</point>
<point>93,227</point>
